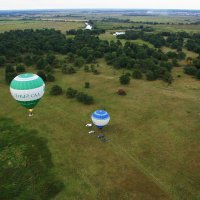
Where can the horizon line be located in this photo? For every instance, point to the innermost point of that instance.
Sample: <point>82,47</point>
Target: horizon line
<point>35,9</point>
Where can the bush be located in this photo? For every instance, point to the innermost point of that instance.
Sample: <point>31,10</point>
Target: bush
<point>20,68</point>
<point>198,74</point>
<point>150,75</point>
<point>137,74</point>
<point>71,93</point>
<point>56,90</point>
<point>84,98</point>
<point>86,68</point>
<point>42,75</point>
<point>167,77</point>
<point>87,85</point>
<point>121,92</point>
<point>48,69</point>
<point>10,74</point>
<point>191,70</point>
<point>124,79</point>
<point>96,72</point>
<point>50,78</point>
<point>68,70</point>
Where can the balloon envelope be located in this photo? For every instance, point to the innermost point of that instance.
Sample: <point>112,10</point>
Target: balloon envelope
<point>27,89</point>
<point>100,118</point>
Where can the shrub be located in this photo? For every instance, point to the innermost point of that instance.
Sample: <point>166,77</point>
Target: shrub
<point>124,79</point>
<point>121,92</point>
<point>87,85</point>
<point>84,98</point>
<point>10,73</point>
<point>50,78</point>
<point>20,68</point>
<point>150,75</point>
<point>68,70</point>
<point>86,68</point>
<point>71,93</point>
<point>167,77</point>
<point>96,72</point>
<point>42,75</point>
<point>137,74</point>
<point>56,90</point>
<point>191,70</point>
<point>48,69</point>
<point>198,74</point>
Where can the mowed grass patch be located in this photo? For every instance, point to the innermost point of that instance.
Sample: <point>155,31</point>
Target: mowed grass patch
<point>154,147</point>
<point>21,25</point>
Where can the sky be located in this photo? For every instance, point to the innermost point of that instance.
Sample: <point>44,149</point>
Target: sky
<point>67,4</point>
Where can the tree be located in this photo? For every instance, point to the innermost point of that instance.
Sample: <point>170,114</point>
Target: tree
<point>10,73</point>
<point>190,70</point>
<point>137,74</point>
<point>175,62</point>
<point>87,85</point>
<point>50,59</point>
<point>124,79</point>
<point>198,74</point>
<point>167,77</point>
<point>50,77</point>
<point>56,90</point>
<point>48,69</point>
<point>150,75</point>
<point>42,75</point>
<point>68,70</point>
<point>20,68</point>
<point>84,98</point>
<point>86,68</point>
<point>71,93</point>
<point>2,60</point>
<point>79,62</point>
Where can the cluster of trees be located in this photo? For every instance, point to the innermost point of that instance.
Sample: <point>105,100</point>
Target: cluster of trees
<point>172,40</point>
<point>39,48</point>
<point>11,72</point>
<point>80,96</point>
<point>26,163</point>
<point>193,43</point>
<point>140,59</point>
<point>194,68</point>
<point>81,31</point>
<point>72,93</point>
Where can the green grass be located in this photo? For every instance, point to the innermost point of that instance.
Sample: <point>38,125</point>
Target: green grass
<point>154,147</point>
<point>109,36</point>
<point>19,24</point>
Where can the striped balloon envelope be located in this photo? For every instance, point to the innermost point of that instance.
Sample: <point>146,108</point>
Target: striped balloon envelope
<point>100,118</point>
<point>27,89</point>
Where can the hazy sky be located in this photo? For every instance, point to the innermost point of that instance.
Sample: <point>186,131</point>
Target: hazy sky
<point>54,4</point>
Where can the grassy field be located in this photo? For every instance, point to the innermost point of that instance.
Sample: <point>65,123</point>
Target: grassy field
<point>159,27</point>
<point>109,36</point>
<point>19,24</point>
<point>154,131</point>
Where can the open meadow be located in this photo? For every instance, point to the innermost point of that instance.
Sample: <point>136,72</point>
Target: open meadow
<point>7,25</point>
<point>154,147</point>
<point>153,152</point>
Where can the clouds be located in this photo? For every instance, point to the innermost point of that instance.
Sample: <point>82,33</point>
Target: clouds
<point>51,4</point>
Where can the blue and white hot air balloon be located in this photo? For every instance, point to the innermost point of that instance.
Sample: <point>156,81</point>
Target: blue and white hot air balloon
<point>100,118</point>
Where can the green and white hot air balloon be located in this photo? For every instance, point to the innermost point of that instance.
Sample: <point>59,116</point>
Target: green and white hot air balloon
<point>27,89</point>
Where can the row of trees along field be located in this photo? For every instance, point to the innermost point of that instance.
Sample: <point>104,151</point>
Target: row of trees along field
<point>39,48</point>
<point>173,40</point>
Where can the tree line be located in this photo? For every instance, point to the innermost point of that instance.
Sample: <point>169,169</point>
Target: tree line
<point>39,48</point>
